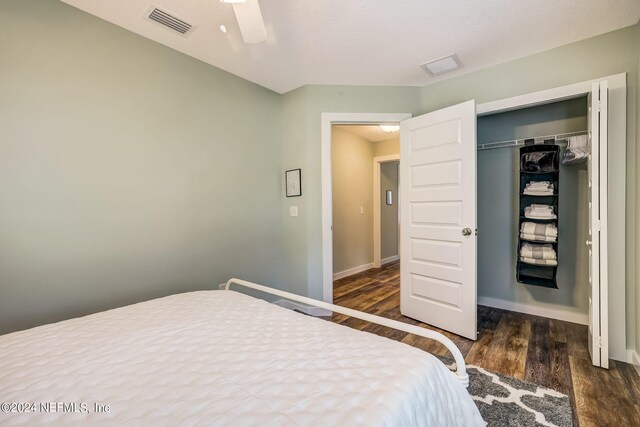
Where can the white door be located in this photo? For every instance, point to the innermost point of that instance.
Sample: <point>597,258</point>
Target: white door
<point>598,269</point>
<point>438,219</point>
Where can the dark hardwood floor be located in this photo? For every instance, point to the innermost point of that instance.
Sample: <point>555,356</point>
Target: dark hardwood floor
<point>548,352</point>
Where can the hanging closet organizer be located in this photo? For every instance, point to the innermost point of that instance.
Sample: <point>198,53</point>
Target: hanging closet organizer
<point>537,257</point>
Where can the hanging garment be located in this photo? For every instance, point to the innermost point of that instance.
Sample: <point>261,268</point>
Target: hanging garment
<point>578,150</point>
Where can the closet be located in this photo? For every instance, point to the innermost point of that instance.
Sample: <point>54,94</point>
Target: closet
<point>472,206</point>
<point>505,167</point>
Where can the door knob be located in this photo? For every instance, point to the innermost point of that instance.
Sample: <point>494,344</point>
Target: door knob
<point>466,232</point>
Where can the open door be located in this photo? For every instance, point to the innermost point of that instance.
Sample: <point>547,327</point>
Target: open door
<point>598,266</point>
<point>438,219</point>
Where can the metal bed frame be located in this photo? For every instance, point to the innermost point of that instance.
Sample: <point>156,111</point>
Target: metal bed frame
<point>460,370</point>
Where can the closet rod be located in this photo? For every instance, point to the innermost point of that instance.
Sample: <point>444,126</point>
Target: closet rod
<point>559,138</point>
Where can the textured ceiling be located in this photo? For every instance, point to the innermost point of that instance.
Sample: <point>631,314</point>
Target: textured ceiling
<point>371,133</point>
<point>370,42</point>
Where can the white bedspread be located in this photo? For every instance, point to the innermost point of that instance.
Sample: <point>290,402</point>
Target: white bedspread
<point>222,358</point>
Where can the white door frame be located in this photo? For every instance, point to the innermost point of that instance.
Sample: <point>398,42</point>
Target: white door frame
<point>327,120</point>
<point>615,252</point>
<point>377,205</point>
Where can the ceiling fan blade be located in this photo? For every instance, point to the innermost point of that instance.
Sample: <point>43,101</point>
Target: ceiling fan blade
<point>250,21</point>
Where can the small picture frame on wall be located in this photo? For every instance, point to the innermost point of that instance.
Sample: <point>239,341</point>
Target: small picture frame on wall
<point>293,182</point>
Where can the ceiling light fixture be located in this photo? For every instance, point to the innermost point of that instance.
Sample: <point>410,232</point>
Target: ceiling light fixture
<point>233,1</point>
<point>223,29</point>
<point>390,128</point>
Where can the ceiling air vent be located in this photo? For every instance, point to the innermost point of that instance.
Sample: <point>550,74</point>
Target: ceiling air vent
<point>169,20</point>
<point>442,65</point>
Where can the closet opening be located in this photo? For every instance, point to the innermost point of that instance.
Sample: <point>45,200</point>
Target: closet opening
<point>533,206</point>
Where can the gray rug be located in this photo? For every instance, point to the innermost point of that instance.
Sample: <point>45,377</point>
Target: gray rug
<point>507,401</point>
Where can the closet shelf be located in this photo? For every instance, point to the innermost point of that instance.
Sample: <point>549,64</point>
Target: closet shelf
<point>539,195</point>
<point>539,241</point>
<point>541,220</point>
<point>539,281</point>
<point>539,173</point>
<point>538,265</point>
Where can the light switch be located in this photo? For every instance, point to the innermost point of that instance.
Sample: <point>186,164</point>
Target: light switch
<point>293,211</point>
<point>361,210</point>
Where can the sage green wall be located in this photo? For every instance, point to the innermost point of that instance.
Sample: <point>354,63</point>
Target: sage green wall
<point>389,213</point>
<point>352,181</point>
<point>498,209</point>
<point>128,171</point>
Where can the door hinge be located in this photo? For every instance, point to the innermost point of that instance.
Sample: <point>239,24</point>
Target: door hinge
<point>599,105</point>
<point>598,225</point>
<point>602,343</point>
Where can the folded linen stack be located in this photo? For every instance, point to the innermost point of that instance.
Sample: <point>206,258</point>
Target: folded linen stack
<point>577,151</point>
<point>539,212</point>
<point>539,188</point>
<point>532,253</point>
<point>538,232</point>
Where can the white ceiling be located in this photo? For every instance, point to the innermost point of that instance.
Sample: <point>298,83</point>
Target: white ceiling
<point>371,133</point>
<point>369,42</point>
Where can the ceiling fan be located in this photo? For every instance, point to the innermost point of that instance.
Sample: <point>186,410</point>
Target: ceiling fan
<point>249,20</point>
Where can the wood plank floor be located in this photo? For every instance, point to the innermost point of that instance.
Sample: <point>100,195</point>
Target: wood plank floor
<point>551,353</point>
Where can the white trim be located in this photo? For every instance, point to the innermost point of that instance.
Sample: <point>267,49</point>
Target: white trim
<point>390,259</point>
<point>327,119</point>
<point>554,312</point>
<point>545,96</point>
<point>634,359</point>
<point>352,271</point>
<point>303,308</point>
<point>461,368</point>
<point>377,203</point>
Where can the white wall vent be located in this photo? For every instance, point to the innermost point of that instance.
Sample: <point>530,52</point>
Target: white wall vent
<point>442,65</point>
<point>169,20</point>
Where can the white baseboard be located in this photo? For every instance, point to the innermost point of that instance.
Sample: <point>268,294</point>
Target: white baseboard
<point>364,267</point>
<point>390,259</point>
<point>552,313</point>
<point>634,359</point>
<point>352,271</point>
<point>306,309</point>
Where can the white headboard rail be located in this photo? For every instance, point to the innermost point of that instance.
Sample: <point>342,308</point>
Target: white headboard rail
<point>461,370</point>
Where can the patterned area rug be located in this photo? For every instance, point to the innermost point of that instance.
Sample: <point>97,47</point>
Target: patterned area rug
<point>507,401</point>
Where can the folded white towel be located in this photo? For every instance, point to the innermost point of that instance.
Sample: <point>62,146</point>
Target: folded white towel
<point>538,184</point>
<point>537,237</point>
<point>542,208</point>
<point>538,188</point>
<point>535,214</point>
<point>533,261</point>
<point>532,250</point>
<point>539,229</point>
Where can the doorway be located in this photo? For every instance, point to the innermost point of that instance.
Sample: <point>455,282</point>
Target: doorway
<point>328,120</point>
<point>365,214</point>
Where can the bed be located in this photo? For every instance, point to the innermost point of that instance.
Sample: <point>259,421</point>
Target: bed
<point>222,358</point>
